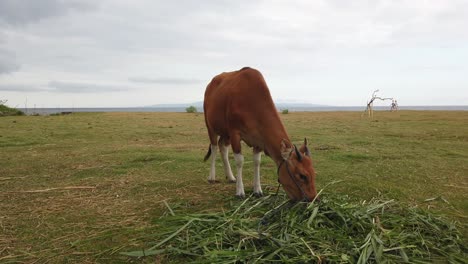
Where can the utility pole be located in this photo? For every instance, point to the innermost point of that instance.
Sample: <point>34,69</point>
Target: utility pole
<point>26,105</point>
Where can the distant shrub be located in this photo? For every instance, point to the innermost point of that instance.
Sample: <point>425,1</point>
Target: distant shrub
<point>9,111</point>
<point>191,109</point>
<point>285,111</point>
<point>61,113</point>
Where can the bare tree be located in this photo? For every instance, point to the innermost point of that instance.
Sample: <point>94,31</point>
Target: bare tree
<point>2,102</point>
<point>370,103</point>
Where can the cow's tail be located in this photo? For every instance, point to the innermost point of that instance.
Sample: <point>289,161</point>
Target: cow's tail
<point>208,154</point>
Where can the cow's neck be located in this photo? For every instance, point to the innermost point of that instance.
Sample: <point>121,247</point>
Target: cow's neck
<point>273,144</point>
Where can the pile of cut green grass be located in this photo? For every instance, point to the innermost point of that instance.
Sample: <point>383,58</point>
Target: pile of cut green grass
<point>271,229</point>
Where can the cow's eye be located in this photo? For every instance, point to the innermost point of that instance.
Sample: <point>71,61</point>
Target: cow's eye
<point>303,177</point>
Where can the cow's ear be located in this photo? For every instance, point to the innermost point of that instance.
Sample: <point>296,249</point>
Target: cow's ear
<point>304,148</point>
<point>286,149</point>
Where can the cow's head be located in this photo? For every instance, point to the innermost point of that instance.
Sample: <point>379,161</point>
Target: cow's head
<point>296,172</point>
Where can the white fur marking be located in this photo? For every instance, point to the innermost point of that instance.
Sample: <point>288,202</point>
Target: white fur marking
<point>227,167</point>
<point>239,184</point>
<point>257,188</point>
<point>212,176</point>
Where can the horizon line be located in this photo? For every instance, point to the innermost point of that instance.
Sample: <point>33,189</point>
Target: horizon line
<point>300,105</point>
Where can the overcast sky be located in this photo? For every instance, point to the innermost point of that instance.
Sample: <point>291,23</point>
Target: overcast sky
<point>117,53</point>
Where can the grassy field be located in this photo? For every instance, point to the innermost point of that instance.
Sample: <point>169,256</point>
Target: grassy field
<point>84,187</point>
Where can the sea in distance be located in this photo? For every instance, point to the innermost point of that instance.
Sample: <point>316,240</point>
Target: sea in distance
<point>47,111</point>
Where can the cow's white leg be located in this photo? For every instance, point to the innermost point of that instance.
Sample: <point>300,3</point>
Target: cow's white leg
<point>257,188</point>
<point>239,184</point>
<point>227,167</point>
<point>212,177</point>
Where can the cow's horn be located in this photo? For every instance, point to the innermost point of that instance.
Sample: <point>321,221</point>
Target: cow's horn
<point>298,154</point>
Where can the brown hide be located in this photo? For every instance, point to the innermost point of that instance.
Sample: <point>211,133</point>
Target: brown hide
<point>238,106</point>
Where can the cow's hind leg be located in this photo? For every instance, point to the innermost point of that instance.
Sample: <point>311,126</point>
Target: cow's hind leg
<point>212,176</point>
<point>223,147</point>
<point>257,188</point>
<point>236,147</point>
<point>214,150</point>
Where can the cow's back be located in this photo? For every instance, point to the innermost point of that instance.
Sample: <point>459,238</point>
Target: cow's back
<point>236,101</point>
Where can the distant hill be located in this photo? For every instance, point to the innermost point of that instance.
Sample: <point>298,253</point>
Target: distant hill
<point>293,104</point>
<point>177,105</point>
<point>280,104</point>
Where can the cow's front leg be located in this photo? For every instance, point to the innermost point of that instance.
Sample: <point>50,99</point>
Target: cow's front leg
<point>257,188</point>
<point>236,147</point>
<point>239,184</point>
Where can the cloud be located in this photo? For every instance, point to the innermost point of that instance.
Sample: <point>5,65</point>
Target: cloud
<point>8,66</point>
<point>8,63</point>
<point>20,88</point>
<point>78,87</point>
<point>64,87</point>
<point>19,12</point>
<point>169,81</point>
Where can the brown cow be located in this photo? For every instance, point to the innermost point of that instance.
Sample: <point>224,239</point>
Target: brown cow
<point>238,106</point>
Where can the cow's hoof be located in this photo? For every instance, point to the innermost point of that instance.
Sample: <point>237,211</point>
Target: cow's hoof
<point>240,196</point>
<point>213,181</point>
<point>232,181</point>
<point>258,194</point>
